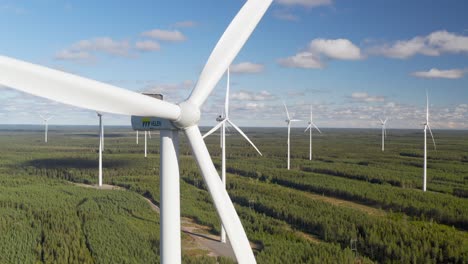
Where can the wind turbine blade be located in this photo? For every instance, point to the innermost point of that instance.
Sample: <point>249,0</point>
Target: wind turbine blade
<point>432,136</point>
<point>228,47</point>
<point>317,128</point>
<point>307,128</point>
<point>223,204</point>
<point>81,92</point>
<point>311,114</point>
<point>427,107</point>
<point>226,104</point>
<point>295,120</point>
<point>287,112</point>
<point>381,121</point>
<point>42,117</point>
<point>244,135</point>
<point>214,128</point>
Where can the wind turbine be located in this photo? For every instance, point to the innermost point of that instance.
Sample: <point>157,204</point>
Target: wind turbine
<point>223,121</point>
<point>311,127</point>
<point>384,131</point>
<point>101,146</point>
<point>146,144</point>
<point>137,137</point>
<point>185,116</point>
<point>288,122</point>
<point>426,127</point>
<point>46,126</point>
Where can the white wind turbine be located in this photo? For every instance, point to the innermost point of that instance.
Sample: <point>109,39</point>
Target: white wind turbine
<point>185,116</point>
<point>384,131</point>
<point>146,144</point>
<point>101,146</point>
<point>288,122</point>
<point>46,126</point>
<point>223,121</point>
<point>426,127</point>
<point>311,126</point>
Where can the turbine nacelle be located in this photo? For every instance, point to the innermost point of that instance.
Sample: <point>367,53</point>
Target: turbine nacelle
<point>220,118</point>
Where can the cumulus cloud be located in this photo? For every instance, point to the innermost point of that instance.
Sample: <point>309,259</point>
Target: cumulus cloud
<point>305,60</point>
<point>246,67</point>
<point>165,35</point>
<point>434,44</point>
<point>365,97</point>
<point>253,96</point>
<point>436,73</point>
<point>147,45</point>
<point>86,49</point>
<point>305,3</point>
<point>320,49</point>
<point>340,49</point>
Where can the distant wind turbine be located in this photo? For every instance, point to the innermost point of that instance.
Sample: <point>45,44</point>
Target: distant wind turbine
<point>426,127</point>
<point>289,121</point>
<point>223,121</point>
<point>384,131</point>
<point>146,144</point>
<point>311,127</point>
<point>101,146</point>
<point>46,124</point>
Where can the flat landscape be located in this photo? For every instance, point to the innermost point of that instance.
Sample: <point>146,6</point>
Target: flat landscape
<point>352,203</point>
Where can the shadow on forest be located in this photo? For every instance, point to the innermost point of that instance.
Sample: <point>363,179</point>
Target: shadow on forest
<point>78,163</point>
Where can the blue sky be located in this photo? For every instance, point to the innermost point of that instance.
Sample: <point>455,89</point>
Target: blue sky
<point>353,61</point>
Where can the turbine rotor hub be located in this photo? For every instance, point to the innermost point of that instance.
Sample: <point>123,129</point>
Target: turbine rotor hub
<point>189,115</point>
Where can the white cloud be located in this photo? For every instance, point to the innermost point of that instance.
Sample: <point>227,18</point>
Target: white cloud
<point>147,45</point>
<point>340,49</point>
<point>436,73</point>
<point>448,42</point>
<point>185,24</point>
<point>165,35</point>
<point>365,97</point>
<point>252,96</point>
<point>434,44</point>
<point>305,60</point>
<point>85,49</point>
<point>246,67</point>
<point>319,49</point>
<point>305,3</point>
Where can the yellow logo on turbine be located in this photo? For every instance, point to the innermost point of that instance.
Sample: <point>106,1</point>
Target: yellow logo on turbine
<point>146,121</point>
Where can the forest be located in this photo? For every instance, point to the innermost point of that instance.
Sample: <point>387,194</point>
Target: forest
<point>352,203</point>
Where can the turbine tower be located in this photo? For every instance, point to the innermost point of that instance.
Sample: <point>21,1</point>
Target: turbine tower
<point>137,137</point>
<point>384,131</point>
<point>426,127</point>
<point>223,121</point>
<point>101,146</point>
<point>46,126</point>
<point>168,117</point>
<point>146,144</point>
<point>288,122</point>
<point>310,127</point>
